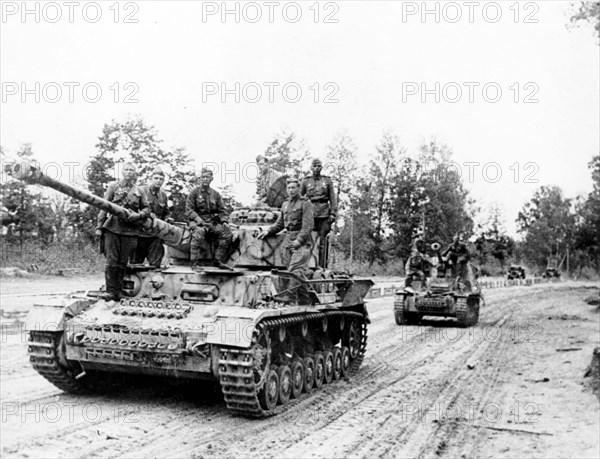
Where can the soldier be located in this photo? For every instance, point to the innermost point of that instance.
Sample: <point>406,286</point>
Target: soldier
<point>152,247</point>
<point>120,236</point>
<point>266,178</point>
<point>297,218</point>
<point>418,267</point>
<point>457,254</point>
<point>207,215</point>
<point>319,189</point>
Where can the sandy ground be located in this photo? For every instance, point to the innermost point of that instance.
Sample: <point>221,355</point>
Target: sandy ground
<point>512,386</point>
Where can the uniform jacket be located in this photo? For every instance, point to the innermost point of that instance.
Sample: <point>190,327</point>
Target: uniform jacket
<point>129,196</point>
<point>296,215</point>
<point>322,195</point>
<point>205,207</point>
<point>158,200</point>
<point>265,182</point>
<point>455,252</point>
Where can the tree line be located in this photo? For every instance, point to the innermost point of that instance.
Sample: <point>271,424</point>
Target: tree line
<point>382,204</point>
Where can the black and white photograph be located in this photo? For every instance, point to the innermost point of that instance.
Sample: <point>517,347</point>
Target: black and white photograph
<point>300,229</point>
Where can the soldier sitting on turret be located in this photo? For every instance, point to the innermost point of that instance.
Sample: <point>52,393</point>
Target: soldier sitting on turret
<point>120,236</point>
<point>148,246</point>
<point>457,256</point>
<point>207,216</point>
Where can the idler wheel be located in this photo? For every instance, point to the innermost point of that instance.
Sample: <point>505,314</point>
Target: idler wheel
<point>309,373</point>
<point>345,361</point>
<point>319,369</point>
<point>337,363</point>
<point>269,394</point>
<point>353,339</point>
<point>297,370</point>
<point>285,384</point>
<point>328,376</point>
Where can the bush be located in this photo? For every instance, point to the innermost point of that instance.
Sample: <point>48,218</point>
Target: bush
<point>43,258</point>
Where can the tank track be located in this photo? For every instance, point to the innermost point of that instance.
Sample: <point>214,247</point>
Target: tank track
<point>462,312</point>
<point>43,350</point>
<point>240,391</point>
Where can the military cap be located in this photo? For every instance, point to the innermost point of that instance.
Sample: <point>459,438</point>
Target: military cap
<point>317,161</point>
<point>206,170</point>
<point>292,180</point>
<point>158,171</point>
<point>259,158</point>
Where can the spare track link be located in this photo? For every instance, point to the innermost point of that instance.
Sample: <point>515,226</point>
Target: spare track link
<point>42,348</point>
<point>235,365</point>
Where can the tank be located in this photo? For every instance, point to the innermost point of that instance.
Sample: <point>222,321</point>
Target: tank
<point>264,334</point>
<point>515,272</point>
<point>438,293</point>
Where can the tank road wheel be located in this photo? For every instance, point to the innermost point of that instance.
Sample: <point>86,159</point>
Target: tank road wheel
<point>309,373</point>
<point>298,378</point>
<point>319,369</point>
<point>399,310</point>
<point>354,339</point>
<point>285,384</point>
<point>337,363</point>
<point>262,358</point>
<point>345,362</point>
<point>328,374</point>
<point>269,394</point>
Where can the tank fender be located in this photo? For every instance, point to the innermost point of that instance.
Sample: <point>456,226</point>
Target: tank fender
<point>52,313</point>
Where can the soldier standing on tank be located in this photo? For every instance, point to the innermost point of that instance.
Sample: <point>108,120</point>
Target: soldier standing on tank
<point>266,178</point>
<point>297,219</point>
<point>207,216</point>
<point>119,235</point>
<point>319,190</point>
<point>148,246</point>
<point>457,254</point>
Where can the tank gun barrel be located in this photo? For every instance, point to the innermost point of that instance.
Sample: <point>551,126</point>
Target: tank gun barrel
<point>171,235</point>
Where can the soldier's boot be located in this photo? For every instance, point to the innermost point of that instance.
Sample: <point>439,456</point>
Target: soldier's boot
<point>195,256</point>
<point>113,290</point>
<point>221,255</point>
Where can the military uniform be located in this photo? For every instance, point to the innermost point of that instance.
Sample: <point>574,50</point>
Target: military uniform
<point>120,236</point>
<point>264,184</point>
<point>298,219</point>
<point>418,267</point>
<point>458,255</point>
<point>147,246</point>
<point>321,194</point>
<point>206,213</point>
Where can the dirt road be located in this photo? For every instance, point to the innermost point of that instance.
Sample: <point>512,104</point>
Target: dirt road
<point>512,386</point>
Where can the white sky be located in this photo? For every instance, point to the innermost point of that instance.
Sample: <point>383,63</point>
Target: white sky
<point>369,53</point>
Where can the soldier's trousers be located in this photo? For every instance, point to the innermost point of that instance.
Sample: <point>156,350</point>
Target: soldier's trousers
<point>151,248</point>
<point>218,231</point>
<point>323,227</point>
<point>295,259</point>
<point>118,249</point>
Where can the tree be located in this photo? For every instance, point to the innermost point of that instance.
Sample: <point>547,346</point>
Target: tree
<point>28,207</point>
<point>587,238</point>
<point>287,154</point>
<point>547,223</point>
<point>428,190</point>
<point>492,240</point>
<point>588,12</point>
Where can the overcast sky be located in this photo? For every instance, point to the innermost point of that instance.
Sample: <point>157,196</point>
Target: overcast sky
<point>370,60</point>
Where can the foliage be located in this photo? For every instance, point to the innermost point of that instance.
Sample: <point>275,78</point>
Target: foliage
<point>492,241</point>
<point>587,239</point>
<point>288,154</point>
<point>547,223</point>
<point>588,12</point>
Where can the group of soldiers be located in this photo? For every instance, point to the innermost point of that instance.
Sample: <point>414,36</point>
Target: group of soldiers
<point>311,204</point>
<point>456,256</point>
